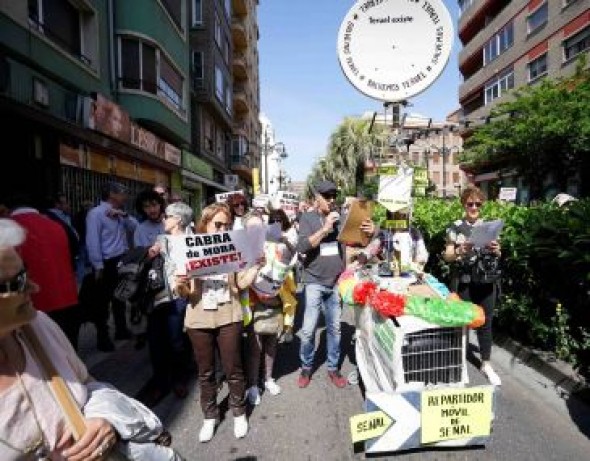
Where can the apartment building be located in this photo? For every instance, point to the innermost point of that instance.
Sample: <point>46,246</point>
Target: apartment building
<point>246,149</point>
<point>92,91</point>
<point>511,43</point>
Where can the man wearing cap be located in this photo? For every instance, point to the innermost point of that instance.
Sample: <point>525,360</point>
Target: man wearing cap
<point>323,264</point>
<point>107,229</point>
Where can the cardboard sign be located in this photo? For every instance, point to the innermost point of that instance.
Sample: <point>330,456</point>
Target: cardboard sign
<point>221,253</point>
<point>456,413</point>
<point>395,192</point>
<point>260,201</point>
<point>350,233</point>
<point>222,198</point>
<point>369,425</point>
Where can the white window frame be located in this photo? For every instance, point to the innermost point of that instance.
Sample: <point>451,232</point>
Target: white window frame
<point>497,89</point>
<point>533,66</point>
<point>165,91</point>
<point>543,7</point>
<point>197,19</point>
<point>574,40</point>
<point>494,48</point>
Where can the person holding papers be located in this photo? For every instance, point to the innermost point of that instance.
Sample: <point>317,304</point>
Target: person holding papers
<point>474,273</point>
<point>214,317</point>
<point>323,264</point>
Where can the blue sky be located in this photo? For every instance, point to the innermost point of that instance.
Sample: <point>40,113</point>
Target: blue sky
<point>302,88</point>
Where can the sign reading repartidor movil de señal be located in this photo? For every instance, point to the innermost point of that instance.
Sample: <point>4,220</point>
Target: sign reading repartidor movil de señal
<point>392,50</point>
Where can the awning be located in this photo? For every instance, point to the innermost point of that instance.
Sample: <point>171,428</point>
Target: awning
<point>197,178</point>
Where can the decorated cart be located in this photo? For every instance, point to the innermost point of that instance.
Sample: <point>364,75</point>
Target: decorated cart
<point>411,341</point>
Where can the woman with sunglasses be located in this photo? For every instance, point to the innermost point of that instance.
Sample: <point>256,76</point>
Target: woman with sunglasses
<point>238,206</point>
<point>459,251</point>
<point>214,317</point>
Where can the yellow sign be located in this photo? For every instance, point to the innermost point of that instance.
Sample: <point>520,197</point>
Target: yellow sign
<point>456,413</point>
<point>369,425</point>
<point>255,181</point>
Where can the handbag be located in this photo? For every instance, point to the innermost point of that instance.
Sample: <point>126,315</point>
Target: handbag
<point>267,320</point>
<point>142,437</point>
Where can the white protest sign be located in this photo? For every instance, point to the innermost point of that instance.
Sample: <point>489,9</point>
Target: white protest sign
<point>222,198</point>
<point>288,202</point>
<point>508,193</point>
<point>260,201</point>
<point>196,255</point>
<point>392,50</point>
<point>279,261</point>
<point>395,191</point>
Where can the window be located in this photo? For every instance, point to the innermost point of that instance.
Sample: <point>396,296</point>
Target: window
<point>197,13</point>
<point>538,18</point>
<point>208,134</point>
<point>219,84</point>
<point>197,69</point>
<point>174,9</point>
<point>145,68</point>
<point>138,66</point>
<point>170,83</point>
<point>499,87</point>
<point>228,9</point>
<point>228,98</point>
<point>217,30</point>
<point>64,25</point>
<point>576,44</point>
<point>537,67</point>
<point>436,158</point>
<point>464,5</point>
<point>498,43</point>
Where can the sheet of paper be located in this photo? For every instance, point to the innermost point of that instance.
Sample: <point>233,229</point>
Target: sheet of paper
<point>484,233</point>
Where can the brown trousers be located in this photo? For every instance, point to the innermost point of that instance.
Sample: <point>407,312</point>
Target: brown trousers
<point>229,341</point>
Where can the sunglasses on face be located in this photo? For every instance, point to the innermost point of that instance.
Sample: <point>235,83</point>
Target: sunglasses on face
<point>329,196</point>
<point>16,285</point>
<point>219,225</point>
<point>239,204</point>
<point>473,204</point>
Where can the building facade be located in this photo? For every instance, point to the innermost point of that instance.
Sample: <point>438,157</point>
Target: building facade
<point>92,91</point>
<point>510,43</point>
<point>246,149</point>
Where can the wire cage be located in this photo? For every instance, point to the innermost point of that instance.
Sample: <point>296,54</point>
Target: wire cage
<point>433,356</point>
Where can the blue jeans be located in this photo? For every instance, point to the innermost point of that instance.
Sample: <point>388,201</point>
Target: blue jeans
<point>319,298</point>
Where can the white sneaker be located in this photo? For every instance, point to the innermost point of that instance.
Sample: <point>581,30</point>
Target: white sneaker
<point>207,430</point>
<point>272,387</point>
<point>253,394</point>
<point>492,376</point>
<point>240,426</point>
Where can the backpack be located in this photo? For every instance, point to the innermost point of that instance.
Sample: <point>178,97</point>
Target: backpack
<point>132,271</point>
<point>156,276</point>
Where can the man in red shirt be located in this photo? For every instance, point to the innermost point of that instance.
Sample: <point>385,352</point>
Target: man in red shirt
<point>46,254</point>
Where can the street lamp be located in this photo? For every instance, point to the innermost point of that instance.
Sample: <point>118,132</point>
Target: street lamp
<point>279,147</point>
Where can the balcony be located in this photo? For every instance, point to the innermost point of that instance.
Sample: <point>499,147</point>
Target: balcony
<point>240,66</point>
<point>240,129</point>
<point>241,100</point>
<point>241,165</point>
<point>239,34</point>
<point>239,7</point>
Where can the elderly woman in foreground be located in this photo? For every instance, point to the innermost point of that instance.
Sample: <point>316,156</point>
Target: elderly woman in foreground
<point>34,424</point>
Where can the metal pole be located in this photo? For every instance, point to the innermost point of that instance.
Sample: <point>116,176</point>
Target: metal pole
<point>444,161</point>
<point>266,162</point>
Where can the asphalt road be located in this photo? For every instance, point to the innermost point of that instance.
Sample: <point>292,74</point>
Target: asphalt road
<point>532,422</point>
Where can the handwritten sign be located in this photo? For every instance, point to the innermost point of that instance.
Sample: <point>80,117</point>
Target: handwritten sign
<point>456,413</point>
<point>288,202</point>
<point>221,253</point>
<point>222,198</point>
<point>369,425</point>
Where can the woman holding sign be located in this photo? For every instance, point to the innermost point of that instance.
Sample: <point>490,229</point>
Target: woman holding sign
<point>214,317</point>
<point>466,278</point>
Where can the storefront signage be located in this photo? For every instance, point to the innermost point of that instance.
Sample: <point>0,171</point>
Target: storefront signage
<point>196,165</point>
<point>172,154</point>
<point>392,50</point>
<point>456,413</point>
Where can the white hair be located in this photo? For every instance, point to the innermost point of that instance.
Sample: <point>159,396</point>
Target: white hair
<point>12,234</point>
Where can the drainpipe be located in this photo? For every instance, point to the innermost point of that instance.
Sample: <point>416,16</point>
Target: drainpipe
<point>112,43</point>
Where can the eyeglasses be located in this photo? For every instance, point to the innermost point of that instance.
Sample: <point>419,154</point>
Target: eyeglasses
<point>166,216</point>
<point>219,225</point>
<point>17,284</point>
<point>473,204</point>
<point>239,204</point>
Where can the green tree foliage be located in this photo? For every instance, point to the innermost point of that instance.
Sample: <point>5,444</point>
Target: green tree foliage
<point>543,132</point>
<point>350,146</point>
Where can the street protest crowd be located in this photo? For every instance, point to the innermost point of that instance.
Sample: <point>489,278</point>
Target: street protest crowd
<point>217,291</point>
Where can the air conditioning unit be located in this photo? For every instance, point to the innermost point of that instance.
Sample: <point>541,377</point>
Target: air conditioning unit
<point>40,92</point>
